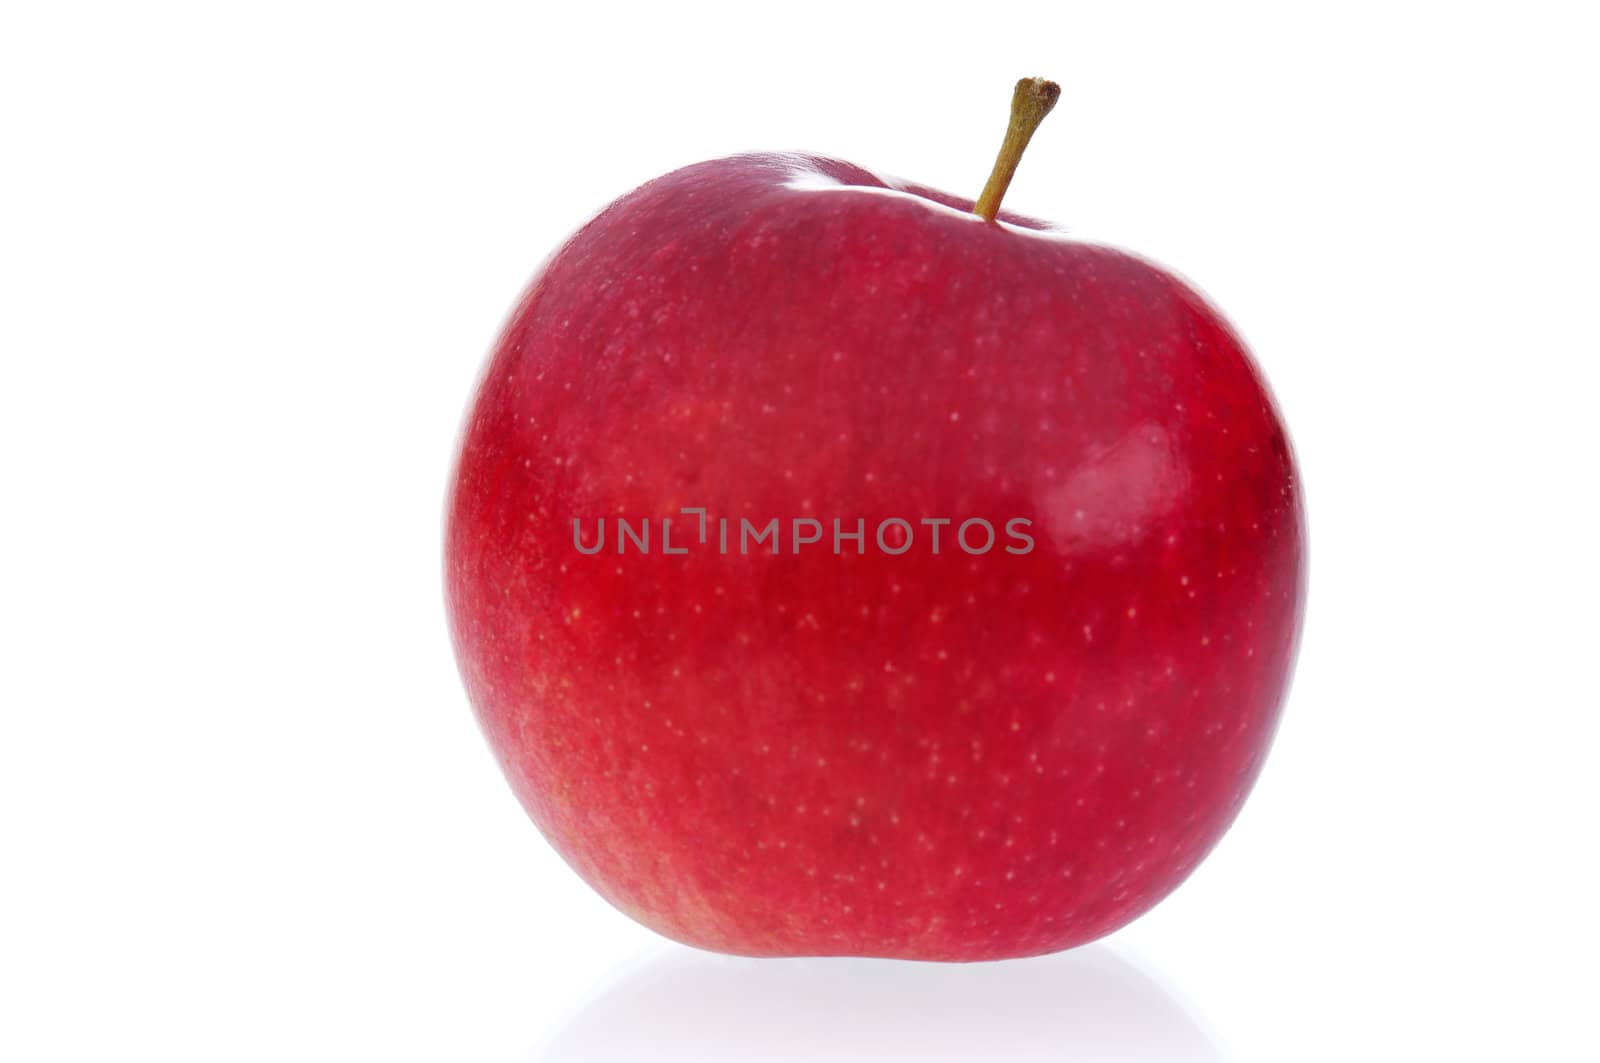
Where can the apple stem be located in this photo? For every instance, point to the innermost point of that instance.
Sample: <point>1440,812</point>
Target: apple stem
<point>1030,102</point>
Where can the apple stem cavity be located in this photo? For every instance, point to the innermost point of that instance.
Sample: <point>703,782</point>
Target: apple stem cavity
<point>1030,102</point>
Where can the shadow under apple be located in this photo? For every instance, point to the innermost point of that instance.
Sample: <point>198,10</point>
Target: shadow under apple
<point>1089,1003</point>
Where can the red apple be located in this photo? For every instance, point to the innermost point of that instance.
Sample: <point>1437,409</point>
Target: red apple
<point>889,749</point>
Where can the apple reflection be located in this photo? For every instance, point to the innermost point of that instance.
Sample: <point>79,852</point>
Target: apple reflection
<point>1088,1003</point>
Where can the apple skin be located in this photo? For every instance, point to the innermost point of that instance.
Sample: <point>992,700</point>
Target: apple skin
<point>942,757</point>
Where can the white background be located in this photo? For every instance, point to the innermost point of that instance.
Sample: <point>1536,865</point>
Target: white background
<point>250,260</point>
